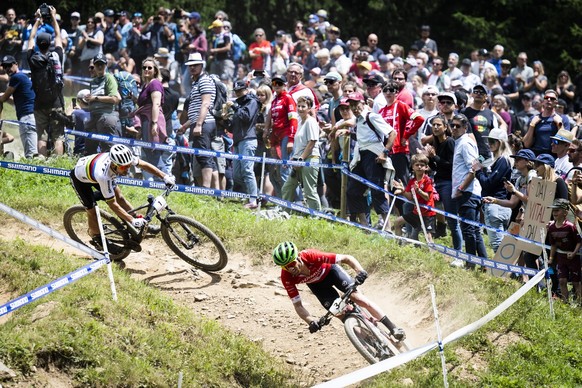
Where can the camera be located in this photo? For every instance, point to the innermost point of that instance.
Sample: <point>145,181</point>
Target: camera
<point>259,73</point>
<point>45,13</point>
<point>62,118</point>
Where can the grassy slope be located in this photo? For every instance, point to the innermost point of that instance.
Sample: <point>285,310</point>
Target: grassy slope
<point>521,348</point>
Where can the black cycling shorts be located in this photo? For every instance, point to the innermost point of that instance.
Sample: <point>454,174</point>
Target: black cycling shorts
<point>325,291</point>
<point>88,193</point>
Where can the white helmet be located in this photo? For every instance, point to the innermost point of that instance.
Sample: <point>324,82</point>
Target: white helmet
<point>121,155</point>
<point>82,95</point>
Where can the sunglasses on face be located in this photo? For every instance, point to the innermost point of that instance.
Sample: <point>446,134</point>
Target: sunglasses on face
<point>389,90</point>
<point>329,82</point>
<point>398,79</point>
<point>557,142</point>
<point>147,67</point>
<point>292,264</point>
<point>446,102</point>
<point>550,98</point>
<point>277,83</point>
<point>479,92</point>
<point>455,126</point>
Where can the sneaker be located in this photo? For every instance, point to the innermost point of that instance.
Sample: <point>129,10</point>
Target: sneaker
<point>458,263</point>
<point>398,333</point>
<point>251,205</point>
<point>154,229</point>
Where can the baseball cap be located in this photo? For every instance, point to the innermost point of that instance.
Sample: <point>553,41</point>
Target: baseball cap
<point>497,134</point>
<point>99,58</point>
<point>8,60</point>
<point>333,76</point>
<point>383,58</point>
<point>447,95</point>
<point>466,62</point>
<point>524,154</point>
<point>545,159</point>
<point>344,102</point>
<point>398,62</point>
<point>240,85</point>
<point>374,79</point>
<point>194,15</point>
<point>430,89</point>
<point>313,18</point>
<point>216,23</point>
<point>505,62</point>
<point>483,52</point>
<point>355,96</point>
<point>479,86</point>
<point>456,82</point>
<point>122,13</point>
<point>280,78</point>
<point>334,29</point>
<point>322,13</point>
<point>526,96</point>
<point>560,203</point>
<point>83,94</point>
<point>76,15</point>
<point>562,135</point>
<point>43,40</point>
<point>411,61</point>
<point>162,53</point>
<point>109,12</point>
<point>366,65</point>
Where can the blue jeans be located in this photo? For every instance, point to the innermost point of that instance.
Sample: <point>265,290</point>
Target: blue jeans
<point>497,217</point>
<point>280,173</point>
<point>444,188</point>
<point>28,135</point>
<point>468,208</point>
<point>244,170</point>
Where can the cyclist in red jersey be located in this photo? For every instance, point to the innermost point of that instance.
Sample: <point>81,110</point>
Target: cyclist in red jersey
<point>321,272</point>
<point>281,124</point>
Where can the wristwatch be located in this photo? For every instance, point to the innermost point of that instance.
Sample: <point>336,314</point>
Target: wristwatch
<point>300,159</point>
<point>386,151</point>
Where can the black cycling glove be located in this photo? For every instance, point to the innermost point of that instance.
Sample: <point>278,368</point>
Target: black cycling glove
<point>361,277</point>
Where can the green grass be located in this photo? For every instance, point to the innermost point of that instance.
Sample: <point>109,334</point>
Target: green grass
<point>142,337</point>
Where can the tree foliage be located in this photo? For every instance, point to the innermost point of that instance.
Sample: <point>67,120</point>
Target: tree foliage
<point>550,31</point>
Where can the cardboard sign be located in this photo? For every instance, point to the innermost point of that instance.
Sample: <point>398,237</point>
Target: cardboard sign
<point>537,215</point>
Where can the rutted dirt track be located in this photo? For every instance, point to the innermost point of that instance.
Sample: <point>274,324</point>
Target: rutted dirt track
<point>251,301</point>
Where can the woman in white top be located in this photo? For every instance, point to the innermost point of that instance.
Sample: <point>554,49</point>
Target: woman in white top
<point>91,43</point>
<point>305,148</point>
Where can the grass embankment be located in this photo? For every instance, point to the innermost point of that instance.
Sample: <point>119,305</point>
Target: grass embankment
<point>523,347</point>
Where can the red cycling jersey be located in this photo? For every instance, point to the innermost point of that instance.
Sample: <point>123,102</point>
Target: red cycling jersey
<point>319,264</point>
<point>283,118</point>
<point>405,122</point>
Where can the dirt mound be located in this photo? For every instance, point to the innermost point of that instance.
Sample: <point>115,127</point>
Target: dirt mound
<point>251,301</point>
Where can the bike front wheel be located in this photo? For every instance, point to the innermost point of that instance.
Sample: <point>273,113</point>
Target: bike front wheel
<point>194,243</point>
<point>365,340</point>
<point>76,223</point>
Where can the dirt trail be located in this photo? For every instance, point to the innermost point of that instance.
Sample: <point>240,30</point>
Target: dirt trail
<point>251,301</point>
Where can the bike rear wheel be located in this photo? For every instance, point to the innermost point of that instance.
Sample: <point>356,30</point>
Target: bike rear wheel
<point>75,222</point>
<point>194,243</point>
<point>365,340</point>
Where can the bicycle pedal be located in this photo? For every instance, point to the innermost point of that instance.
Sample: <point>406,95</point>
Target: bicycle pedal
<point>133,246</point>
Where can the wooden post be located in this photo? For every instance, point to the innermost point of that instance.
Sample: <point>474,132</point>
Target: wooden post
<point>344,184</point>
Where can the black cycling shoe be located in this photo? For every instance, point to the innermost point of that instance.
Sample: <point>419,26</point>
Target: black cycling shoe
<point>112,248</point>
<point>398,333</point>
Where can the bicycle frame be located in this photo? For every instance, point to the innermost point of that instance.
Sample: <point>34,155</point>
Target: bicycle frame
<point>154,207</point>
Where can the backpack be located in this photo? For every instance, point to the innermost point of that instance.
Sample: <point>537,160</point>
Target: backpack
<point>220,98</point>
<point>47,77</point>
<point>238,48</point>
<point>127,87</point>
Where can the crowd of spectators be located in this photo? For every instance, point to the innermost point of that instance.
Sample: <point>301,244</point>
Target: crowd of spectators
<point>484,124</point>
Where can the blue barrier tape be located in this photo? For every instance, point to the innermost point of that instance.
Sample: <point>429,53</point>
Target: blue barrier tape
<point>194,151</point>
<point>281,202</point>
<point>51,287</point>
<point>366,182</point>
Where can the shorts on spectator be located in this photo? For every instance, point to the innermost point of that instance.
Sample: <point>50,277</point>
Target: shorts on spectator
<point>414,221</point>
<point>43,120</point>
<point>218,145</point>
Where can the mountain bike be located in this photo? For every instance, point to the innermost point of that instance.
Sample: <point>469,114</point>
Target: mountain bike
<point>370,338</point>
<point>189,239</point>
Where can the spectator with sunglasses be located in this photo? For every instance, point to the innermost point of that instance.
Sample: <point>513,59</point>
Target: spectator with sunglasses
<point>102,102</point>
<point>322,273</point>
<point>545,125</point>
